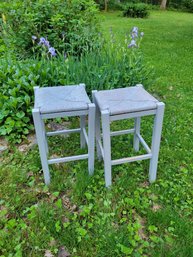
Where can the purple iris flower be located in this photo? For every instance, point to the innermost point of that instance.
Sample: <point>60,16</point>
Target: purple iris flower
<point>132,44</point>
<point>135,30</point>
<point>134,35</point>
<point>44,41</point>
<point>47,44</point>
<point>52,51</point>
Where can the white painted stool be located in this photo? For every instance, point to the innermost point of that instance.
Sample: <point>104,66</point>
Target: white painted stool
<point>64,101</point>
<point>123,103</point>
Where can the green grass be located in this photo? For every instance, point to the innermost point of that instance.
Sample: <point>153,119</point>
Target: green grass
<point>133,218</point>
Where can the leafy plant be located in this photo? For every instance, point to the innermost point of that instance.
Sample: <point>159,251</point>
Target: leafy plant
<point>70,26</point>
<point>111,4</point>
<point>115,66</point>
<point>138,10</point>
<point>188,4</point>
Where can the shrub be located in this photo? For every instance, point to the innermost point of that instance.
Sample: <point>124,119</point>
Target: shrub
<point>112,4</point>
<point>188,4</point>
<point>114,66</point>
<point>138,10</point>
<point>174,4</point>
<point>70,26</point>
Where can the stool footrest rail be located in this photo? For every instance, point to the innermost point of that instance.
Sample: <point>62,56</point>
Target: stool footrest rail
<point>131,159</point>
<point>142,141</point>
<point>85,135</point>
<point>101,148</point>
<point>122,132</point>
<point>65,131</point>
<point>68,159</point>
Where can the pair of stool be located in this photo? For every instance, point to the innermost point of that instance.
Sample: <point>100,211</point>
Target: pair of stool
<point>111,105</point>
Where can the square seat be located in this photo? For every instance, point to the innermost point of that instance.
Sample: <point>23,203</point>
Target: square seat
<point>125,100</point>
<point>61,99</point>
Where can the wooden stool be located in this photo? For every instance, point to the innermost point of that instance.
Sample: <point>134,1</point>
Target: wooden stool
<point>124,103</point>
<point>63,101</point>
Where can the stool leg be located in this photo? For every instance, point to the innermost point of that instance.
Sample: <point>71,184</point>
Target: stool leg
<point>97,127</point>
<point>91,137</point>
<point>43,125</point>
<point>40,134</point>
<point>82,126</point>
<point>137,131</point>
<point>107,147</point>
<point>44,135</point>
<point>98,134</point>
<point>157,129</point>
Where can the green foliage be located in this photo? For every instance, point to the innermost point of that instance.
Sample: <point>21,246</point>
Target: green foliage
<point>149,2</point>
<point>115,66</point>
<point>185,5</point>
<point>188,4</point>
<point>116,5</point>
<point>112,4</point>
<point>78,212</point>
<point>17,81</point>
<point>174,4</point>
<point>70,26</point>
<point>138,10</point>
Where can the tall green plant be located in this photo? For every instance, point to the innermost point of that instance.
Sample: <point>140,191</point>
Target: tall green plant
<point>70,26</point>
<point>116,65</point>
<point>188,4</point>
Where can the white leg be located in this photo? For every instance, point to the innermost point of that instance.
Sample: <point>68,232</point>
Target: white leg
<point>44,135</point>
<point>41,144</point>
<point>97,126</point>
<point>107,147</point>
<point>98,134</point>
<point>137,131</point>
<point>82,126</point>
<point>91,137</point>
<point>157,129</point>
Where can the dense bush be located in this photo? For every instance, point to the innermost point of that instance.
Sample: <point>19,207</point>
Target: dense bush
<point>185,5</point>
<point>138,10</point>
<point>120,5</point>
<point>153,2</point>
<point>182,5</point>
<point>188,4</point>
<point>114,66</point>
<point>70,26</point>
<point>111,4</point>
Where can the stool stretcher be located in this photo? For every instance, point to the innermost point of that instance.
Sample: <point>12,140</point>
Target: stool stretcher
<point>68,159</point>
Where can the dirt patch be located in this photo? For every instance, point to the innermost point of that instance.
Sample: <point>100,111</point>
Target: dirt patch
<point>68,204</point>
<point>29,143</point>
<point>3,145</point>
<point>141,230</point>
<point>144,184</point>
<point>156,207</point>
<point>63,252</point>
<point>53,126</point>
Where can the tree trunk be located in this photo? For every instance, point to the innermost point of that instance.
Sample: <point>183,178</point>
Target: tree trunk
<point>106,5</point>
<point>163,4</point>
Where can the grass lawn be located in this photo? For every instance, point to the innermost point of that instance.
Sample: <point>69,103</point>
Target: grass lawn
<point>133,218</point>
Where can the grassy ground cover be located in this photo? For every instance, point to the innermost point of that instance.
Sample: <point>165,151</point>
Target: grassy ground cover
<point>133,218</point>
